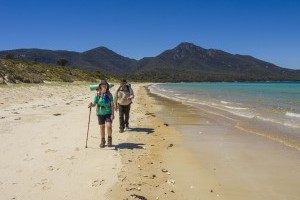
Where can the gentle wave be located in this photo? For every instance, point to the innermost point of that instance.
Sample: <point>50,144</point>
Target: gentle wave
<point>183,98</point>
<point>291,114</point>
<point>288,124</point>
<point>225,102</point>
<point>246,115</point>
<point>223,105</point>
<point>236,108</point>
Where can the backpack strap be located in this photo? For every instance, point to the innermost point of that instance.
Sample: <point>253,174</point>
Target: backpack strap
<point>127,88</point>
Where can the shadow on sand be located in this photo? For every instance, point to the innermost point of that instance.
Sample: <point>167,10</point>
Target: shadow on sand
<point>129,146</point>
<point>141,130</point>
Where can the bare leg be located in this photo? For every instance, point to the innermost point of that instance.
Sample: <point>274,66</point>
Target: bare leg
<point>109,133</point>
<point>102,135</point>
<point>102,131</point>
<point>108,128</point>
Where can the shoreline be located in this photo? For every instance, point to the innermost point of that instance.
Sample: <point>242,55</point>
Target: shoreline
<point>171,151</point>
<point>235,157</point>
<point>163,168</point>
<point>257,125</point>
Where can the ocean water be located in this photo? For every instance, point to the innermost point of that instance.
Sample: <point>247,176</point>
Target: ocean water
<point>273,104</point>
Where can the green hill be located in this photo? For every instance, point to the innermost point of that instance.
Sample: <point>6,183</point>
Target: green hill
<point>16,71</point>
<point>97,59</point>
<point>186,62</point>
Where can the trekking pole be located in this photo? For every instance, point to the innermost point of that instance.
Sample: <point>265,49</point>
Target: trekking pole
<point>87,133</point>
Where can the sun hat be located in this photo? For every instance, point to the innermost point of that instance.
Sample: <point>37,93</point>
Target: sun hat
<point>103,82</point>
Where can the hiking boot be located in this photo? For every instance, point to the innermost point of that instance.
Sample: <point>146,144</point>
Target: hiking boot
<point>109,141</point>
<point>127,126</point>
<point>121,130</point>
<point>102,144</point>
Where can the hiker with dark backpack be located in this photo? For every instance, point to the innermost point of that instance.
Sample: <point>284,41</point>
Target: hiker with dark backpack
<point>123,99</point>
<point>105,111</point>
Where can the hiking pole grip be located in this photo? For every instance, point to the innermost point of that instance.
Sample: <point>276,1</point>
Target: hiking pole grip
<point>87,133</point>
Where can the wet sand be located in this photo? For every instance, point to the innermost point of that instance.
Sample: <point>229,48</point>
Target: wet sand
<point>159,166</point>
<point>171,151</point>
<point>243,164</point>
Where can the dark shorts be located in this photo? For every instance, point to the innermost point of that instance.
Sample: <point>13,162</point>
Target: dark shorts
<point>104,118</point>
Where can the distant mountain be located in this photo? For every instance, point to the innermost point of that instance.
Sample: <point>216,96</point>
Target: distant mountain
<point>97,59</point>
<point>186,62</point>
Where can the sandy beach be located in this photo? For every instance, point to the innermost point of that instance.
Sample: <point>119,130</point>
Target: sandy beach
<point>43,155</point>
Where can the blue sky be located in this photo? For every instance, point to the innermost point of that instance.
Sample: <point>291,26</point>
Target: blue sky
<point>268,30</point>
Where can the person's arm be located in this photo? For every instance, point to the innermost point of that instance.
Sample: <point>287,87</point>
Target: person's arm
<point>112,109</point>
<point>131,93</point>
<point>93,104</point>
<point>116,101</point>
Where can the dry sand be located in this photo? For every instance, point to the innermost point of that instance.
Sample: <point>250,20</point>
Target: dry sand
<point>43,155</point>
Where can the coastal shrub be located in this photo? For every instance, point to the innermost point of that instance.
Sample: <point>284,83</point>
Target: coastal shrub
<point>31,72</point>
<point>62,62</point>
<point>9,56</point>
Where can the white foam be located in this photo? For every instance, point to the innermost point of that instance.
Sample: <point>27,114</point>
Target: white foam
<point>225,102</point>
<point>246,115</point>
<point>184,98</point>
<point>203,103</point>
<point>268,119</point>
<point>291,114</point>
<point>289,124</point>
<point>236,108</point>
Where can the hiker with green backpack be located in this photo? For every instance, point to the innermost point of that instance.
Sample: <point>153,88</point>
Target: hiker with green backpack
<point>123,99</point>
<point>105,111</point>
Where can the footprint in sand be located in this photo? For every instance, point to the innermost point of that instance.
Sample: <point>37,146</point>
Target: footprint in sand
<point>2,117</point>
<point>19,118</point>
<point>51,168</point>
<point>44,143</point>
<point>50,151</point>
<point>71,158</point>
<point>43,183</point>
<point>28,159</point>
<point>77,149</point>
<point>97,183</point>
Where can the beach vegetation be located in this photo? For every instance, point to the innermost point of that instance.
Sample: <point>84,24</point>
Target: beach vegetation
<point>21,71</point>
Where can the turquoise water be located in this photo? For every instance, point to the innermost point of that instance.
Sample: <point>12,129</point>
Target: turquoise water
<point>273,102</point>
